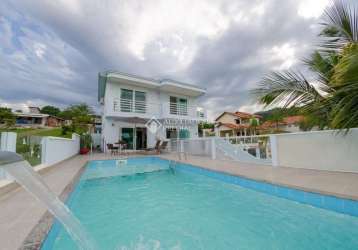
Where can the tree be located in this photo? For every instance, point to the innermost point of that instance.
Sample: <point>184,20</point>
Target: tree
<point>7,117</point>
<point>81,116</point>
<point>50,110</point>
<point>276,116</point>
<point>253,124</point>
<point>76,110</point>
<point>332,94</point>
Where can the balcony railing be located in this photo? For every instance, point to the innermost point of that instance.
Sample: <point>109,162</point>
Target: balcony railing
<point>163,110</point>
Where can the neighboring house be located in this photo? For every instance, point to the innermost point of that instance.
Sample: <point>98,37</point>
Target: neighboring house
<point>130,102</point>
<point>96,126</point>
<point>236,124</point>
<point>54,121</point>
<point>35,119</point>
<point>288,124</point>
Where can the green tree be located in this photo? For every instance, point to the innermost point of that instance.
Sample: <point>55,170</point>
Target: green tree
<point>253,124</point>
<point>7,118</point>
<point>50,110</point>
<point>276,116</point>
<point>332,94</point>
<point>81,116</point>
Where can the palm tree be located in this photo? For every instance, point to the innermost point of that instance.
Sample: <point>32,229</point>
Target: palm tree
<point>332,94</point>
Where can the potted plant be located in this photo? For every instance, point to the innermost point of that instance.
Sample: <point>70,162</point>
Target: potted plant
<point>85,143</point>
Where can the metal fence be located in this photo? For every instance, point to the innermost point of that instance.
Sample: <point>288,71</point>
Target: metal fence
<point>252,149</point>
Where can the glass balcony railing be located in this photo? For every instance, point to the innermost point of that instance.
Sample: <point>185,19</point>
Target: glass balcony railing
<point>156,109</point>
<point>30,148</point>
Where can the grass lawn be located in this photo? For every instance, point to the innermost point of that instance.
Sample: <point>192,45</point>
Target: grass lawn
<point>28,142</point>
<point>57,132</point>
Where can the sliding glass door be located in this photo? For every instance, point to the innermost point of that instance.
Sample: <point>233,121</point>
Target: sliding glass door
<point>128,136</point>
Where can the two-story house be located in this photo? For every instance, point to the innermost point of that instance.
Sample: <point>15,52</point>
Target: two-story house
<point>236,124</point>
<point>130,102</point>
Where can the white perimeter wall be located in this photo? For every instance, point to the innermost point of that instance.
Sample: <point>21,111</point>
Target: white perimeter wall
<point>56,149</point>
<point>322,150</point>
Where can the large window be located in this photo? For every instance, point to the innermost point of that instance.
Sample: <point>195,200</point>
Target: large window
<point>178,106</point>
<point>133,101</point>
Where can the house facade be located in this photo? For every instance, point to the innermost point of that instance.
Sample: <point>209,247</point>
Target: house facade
<point>236,124</point>
<point>288,124</point>
<point>35,119</point>
<point>141,110</point>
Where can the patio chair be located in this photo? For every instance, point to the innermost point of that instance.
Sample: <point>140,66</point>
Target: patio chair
<point>162,147</point>
<point>155,148</point>
<point>112,148</point>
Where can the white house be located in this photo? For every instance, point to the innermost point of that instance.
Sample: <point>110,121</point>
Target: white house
<point>130,103</point>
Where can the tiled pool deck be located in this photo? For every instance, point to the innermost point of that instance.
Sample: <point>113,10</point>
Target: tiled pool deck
<point>20,213</point>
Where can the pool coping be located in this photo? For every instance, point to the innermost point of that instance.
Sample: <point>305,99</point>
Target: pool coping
<point>273,181</point>
<point>39,232</point>
<point>329,202</point>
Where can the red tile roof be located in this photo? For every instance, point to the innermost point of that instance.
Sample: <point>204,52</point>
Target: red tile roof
<point>239,114</point>
<point>289,120</point>
<point>234,126</point>
<point>293,119</point>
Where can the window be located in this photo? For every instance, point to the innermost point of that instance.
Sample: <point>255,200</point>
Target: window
<point>238,121</point>
<point>139,103</point>
<point>126,100</point>
<point>133,101</point>
<point>178,106</point>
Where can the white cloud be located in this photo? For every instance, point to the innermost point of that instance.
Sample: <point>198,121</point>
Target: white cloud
<point>312,8</point>
<point>176,24</point>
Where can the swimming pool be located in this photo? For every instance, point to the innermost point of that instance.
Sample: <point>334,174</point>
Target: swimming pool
<point>144,204</point>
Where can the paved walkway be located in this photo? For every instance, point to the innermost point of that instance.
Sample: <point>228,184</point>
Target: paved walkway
<point>339,184</point>
<point>20,212</point>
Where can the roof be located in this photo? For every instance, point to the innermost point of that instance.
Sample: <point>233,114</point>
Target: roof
<point>165,84</point>
<point>289,120</point>
<point>239,115</point>
<point>234,126</point>
<point>293,119</point>
<point>36,115</point>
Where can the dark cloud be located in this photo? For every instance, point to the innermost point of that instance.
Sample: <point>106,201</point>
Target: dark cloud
<point>52,52</point>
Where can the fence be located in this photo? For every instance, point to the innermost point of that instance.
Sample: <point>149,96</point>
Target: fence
<point>252,150</point>
<point>56,149</point>
<point>321,150</point>
<point>39,150</point>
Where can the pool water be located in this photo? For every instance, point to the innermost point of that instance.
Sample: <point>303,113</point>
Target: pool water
<point>166,209</point>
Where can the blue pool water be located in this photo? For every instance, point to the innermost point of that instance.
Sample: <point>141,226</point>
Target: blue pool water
<point>159,208</point>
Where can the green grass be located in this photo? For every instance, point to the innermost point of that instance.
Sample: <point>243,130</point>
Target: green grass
<point>57,132</point>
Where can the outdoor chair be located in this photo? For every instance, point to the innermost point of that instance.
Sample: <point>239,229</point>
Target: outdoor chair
<point>112,148</point>
<point>162,147</point>
<point>155,149</point>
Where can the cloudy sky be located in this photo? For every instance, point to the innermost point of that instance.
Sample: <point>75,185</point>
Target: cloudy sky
<point>51,51</point>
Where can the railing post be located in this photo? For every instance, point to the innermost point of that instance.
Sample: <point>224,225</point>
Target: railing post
<point>274,149</point>
<point>213,149</point>
<point>8,141</point>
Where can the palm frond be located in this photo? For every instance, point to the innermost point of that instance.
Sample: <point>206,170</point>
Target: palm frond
<point>340,26</point>
<point>345,102</point>
<point>322,65</point>
<point>286,89</point>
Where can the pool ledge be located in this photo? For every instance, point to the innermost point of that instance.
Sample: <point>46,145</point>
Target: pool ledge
<point>292,184</point>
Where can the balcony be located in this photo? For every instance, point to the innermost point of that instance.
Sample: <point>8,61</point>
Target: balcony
<point>129,108</point>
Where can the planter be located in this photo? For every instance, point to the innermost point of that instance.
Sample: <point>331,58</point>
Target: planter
<point>84,151</point>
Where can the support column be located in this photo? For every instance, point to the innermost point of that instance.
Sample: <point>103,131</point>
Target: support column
<point>8,141</point>
<point>274,150</point>
<point>213,149</point>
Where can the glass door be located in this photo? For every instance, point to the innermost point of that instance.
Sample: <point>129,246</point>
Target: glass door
<point>128,137</point>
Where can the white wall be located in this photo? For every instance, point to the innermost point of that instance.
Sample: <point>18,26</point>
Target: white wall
<point>322,150</point>
<point>56,149</point>
<point>8,141</point>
